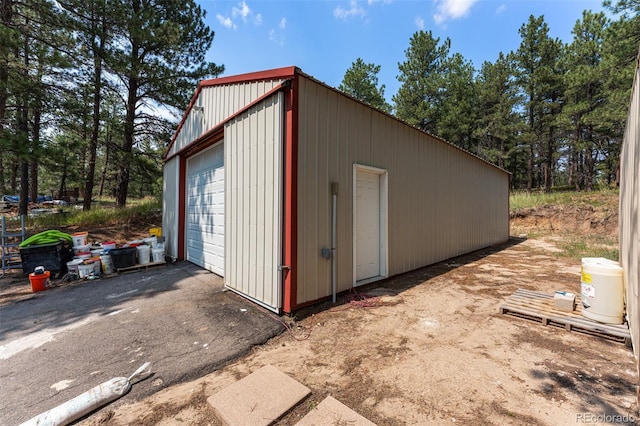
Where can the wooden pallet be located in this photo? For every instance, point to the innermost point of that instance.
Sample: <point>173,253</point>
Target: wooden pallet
<point>138,267</point>
<point>537,306</point>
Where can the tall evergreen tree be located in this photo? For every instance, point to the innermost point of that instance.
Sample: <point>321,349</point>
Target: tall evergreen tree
<point>458,109</point>
<point>584,97</point>
<point>538,77</point>
<point>158,55</point>
<point>419,99</point>
<point>361,82</point>
<point>498,123</point>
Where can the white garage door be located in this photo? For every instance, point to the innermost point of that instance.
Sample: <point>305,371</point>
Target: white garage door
<point>205,209</point>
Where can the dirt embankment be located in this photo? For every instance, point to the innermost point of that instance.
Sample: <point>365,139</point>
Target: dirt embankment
<point>590,214</point>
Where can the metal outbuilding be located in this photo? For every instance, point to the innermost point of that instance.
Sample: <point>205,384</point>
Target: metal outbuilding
<point>293,191</point>
<point>629,218</point>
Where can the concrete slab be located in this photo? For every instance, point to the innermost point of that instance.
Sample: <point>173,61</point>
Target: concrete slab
<point>332,412</point>
<point>260,398</point>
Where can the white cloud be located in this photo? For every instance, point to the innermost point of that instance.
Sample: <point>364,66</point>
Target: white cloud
<point>283,23</point>
<point>370,2</point>
<point>451,9</point>
<point>258,19</point>
<point>276,37</point>
<point>419,21</point>
<point>242,11</point>
<point>501,9</point>
<point>226,22</point>
<point>353,10</point>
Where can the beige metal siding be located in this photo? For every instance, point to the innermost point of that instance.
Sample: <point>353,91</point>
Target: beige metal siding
<point>170,191</point>
<point>442,201</point>
<point>214,105</point>
<point>253,189</point>
<point>629,216</point>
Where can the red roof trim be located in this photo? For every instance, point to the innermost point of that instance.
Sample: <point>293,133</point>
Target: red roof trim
<point>273,74</point>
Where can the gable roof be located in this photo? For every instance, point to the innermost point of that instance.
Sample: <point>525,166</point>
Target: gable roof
<point>272,74</point>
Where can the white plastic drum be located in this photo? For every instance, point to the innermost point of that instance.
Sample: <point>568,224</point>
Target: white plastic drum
<point>602,290</point>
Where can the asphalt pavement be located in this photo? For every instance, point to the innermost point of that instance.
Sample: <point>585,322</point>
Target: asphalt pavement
<point>66,340</point>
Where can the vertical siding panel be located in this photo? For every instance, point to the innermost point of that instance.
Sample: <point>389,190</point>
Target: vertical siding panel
<point>442,201</point>
<point>343,155</point>
<point>254,202</point>
<point>629,228</point>
<point>170,193</point>
<point>218,103</point>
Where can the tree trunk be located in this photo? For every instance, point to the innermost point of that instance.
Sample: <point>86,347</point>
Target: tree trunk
<point>33,164</point>
<point>95,131</point>
<point>63,181</point>
<point>23,136</point>
<point>14,176</point>
<point>127,147</point>
<point>6,17</point>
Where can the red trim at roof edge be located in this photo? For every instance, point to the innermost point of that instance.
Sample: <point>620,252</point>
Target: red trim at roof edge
<point>272,74</point>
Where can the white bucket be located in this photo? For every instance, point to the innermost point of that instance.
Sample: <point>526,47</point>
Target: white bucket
<point>97,266</point>
<point>96,252</point>
<point>110,245</point>
<point>72,266</point>
<point>151,241</point>
<point>81,249</point>
<point>107,264</point>
<point>83,255</point>
<point>602,290</point>
<point>85,269</point>
<point>158,255</point>
<point>144,254</point>
<point>79,238</point>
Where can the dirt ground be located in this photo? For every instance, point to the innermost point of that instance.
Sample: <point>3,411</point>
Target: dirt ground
<point>431,347</point>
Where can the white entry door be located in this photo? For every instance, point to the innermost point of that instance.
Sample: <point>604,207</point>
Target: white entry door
<point>205,209</point>
<point>370,224</point>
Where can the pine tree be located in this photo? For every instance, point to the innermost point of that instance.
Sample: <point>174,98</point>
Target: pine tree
<point>419,99</point>
<point>158,55</point>
<point>539,79</point>
<point>498,124</point>
<point>361,82</point>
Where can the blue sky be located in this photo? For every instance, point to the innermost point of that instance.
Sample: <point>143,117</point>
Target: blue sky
<point>324,37</point>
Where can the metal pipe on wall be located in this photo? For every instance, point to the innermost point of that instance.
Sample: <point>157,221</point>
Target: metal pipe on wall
<point>334,219</point>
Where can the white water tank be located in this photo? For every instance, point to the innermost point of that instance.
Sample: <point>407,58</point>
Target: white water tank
<point>602,290</point>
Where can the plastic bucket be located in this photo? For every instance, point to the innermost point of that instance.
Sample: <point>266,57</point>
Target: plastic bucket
<point>107,264</point>
<point>157,255</point>
<point>96,252</point>
<point>109,245</point>
<point>81,249</point>
<point>156,231</point>
<point>602,290</point>
<point>144,254</point>
<point>151,241</point>
<point>40,282</point>
<point>79,238</point>
<point>97,265</point>
<point>72,266</point>
<point>83,255</point>
<point>85,269</point>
